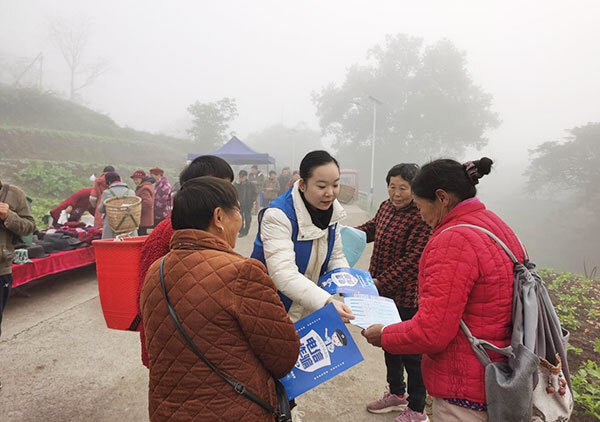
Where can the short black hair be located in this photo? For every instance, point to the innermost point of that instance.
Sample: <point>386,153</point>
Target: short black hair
<point>111,177</point>
<point>407,171</point>
<point>242,173</point>
<point>207,165</point>
<point>195,203</point>
<point>315,159</point>
<point>108,169</point>
<point>255,167</point>
<point>273,172</point>
<point>450,176</point>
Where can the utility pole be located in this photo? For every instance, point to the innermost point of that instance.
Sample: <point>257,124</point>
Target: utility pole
<point>375,103</point>
<point>294,132</point>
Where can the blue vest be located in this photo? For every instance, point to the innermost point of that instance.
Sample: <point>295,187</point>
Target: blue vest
<point>302,248</point>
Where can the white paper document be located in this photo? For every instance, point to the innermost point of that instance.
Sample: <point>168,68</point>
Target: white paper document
<point>369,310</point>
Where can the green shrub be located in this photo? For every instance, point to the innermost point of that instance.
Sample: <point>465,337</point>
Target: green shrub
<point>586,386</point>
<point>52,181</point>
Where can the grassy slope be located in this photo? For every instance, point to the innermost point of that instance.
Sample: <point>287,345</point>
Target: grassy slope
<point>43,126</point>
<point>49,146</point>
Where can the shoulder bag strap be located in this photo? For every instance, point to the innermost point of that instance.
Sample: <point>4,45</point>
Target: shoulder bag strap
<point>4,192</point>
<point>238,387</point>
<point>479,346</point>
<point>493,236</point>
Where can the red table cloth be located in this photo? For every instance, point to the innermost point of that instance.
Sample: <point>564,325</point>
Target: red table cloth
<point>55,263</point>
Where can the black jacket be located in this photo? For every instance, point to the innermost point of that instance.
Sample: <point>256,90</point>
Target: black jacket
<point>246,194</point>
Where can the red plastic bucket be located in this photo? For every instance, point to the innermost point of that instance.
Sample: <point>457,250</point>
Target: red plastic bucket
<point>118,271</point>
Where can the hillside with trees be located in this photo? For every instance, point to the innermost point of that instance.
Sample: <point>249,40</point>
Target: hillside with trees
<point>51,146</point>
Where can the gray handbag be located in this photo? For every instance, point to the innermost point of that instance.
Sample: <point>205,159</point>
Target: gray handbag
<point>534,385</point>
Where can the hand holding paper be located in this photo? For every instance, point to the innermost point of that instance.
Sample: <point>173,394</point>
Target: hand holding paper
<point>373,334</point>
<point>344,311</point>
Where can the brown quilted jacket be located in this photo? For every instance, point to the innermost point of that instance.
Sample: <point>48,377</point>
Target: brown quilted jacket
<point>230,308</point>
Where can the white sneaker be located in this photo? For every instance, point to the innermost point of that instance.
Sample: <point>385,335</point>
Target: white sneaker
<point>297,414</point>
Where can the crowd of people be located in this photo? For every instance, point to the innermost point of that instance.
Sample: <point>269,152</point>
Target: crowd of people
<point>154,190</point>
<point>16,220</point>
<point>238,312</point>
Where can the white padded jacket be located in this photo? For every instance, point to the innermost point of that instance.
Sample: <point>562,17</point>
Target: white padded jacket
<point>276,235</point>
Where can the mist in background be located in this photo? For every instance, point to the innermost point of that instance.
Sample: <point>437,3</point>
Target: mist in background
<point>538,60</point>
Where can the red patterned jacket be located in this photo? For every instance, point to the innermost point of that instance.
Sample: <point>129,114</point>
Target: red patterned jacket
<point>162,199</point>
<point>155,247</point>
<point>464,274</point>
<point>400,237</point>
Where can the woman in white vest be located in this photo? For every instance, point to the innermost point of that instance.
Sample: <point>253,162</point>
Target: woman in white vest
<point>299,237</point>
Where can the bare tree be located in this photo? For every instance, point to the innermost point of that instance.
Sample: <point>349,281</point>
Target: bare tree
<point>72,39</point>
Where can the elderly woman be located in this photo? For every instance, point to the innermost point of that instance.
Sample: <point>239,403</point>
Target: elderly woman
<point>226,303</point>
<point>115,188</point>
<point>463,274</point>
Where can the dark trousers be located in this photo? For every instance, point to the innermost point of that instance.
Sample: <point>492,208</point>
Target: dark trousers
<point>412,363</point>
<point>5,285</point>
<point>246,220</point>
<point>143,231</point>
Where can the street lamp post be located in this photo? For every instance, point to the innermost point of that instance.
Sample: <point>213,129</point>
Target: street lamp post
<point>375,103</point>
<point>294,132</point>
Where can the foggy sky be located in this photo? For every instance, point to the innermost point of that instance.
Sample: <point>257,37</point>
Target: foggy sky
<point>539,60</point>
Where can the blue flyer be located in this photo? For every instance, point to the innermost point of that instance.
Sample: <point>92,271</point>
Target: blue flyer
<point>348,281</point>
<point>326,350</point>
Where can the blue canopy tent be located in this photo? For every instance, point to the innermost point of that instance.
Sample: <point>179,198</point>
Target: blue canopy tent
<point>235,152</point>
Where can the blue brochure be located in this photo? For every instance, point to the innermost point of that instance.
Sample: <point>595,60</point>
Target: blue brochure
<point>348,281</point>
<point>326,350</point>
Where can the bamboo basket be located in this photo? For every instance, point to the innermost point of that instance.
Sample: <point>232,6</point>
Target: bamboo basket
<point>123,213</point>
<point>346,194</point>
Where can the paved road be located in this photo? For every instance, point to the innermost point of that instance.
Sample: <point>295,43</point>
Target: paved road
<point>59,362</point>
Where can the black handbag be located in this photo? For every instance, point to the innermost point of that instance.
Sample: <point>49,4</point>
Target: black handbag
<point>283,411</point>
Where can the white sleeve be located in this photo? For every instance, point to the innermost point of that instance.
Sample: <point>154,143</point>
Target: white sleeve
<point>276,236</point>
<point>338,258</point>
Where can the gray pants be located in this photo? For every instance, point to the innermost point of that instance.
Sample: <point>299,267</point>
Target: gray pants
<point>5,285</point>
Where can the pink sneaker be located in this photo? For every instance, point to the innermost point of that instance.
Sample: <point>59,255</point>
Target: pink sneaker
<point>410,415</point>
<point>388,403</point>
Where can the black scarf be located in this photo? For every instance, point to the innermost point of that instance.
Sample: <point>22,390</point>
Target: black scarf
<point>320,218</point>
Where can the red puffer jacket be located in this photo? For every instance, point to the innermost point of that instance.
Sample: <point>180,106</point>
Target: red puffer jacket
<point>464,274</point>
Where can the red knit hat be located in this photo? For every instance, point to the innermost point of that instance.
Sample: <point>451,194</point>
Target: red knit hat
<point>157,170</point>
<point>138,174</point>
